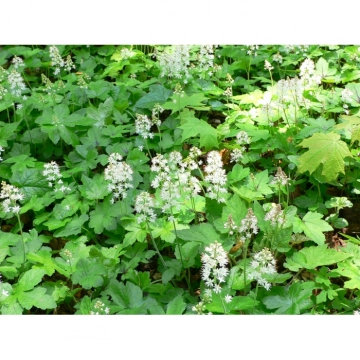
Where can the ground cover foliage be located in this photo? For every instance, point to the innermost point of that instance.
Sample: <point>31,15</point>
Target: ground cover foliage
<point>179,179</point>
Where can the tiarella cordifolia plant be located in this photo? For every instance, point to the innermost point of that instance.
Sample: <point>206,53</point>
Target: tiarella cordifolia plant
<point>214,270</point>
<point>10,195</point>
<point>215,176</point>
<point>119,175</point>
<point>262,263</point>
<point>207,179</point>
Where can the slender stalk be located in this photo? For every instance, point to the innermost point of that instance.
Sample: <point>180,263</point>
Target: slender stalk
<point>255,296</point>
<point>154,243</point>
<point>22,236</point>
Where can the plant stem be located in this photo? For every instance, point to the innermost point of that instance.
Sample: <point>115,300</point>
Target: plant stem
<point>255,296</point>
<point>154,243</point>
<point>22,236</point>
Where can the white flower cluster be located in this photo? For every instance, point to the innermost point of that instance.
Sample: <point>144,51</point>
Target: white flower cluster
<point>18,62</point>
<point>190,162</point>
<point>308,74</point>
<point>99,309</point>
<point>126,53</point>
<point>53,176</point>
<point>206,59</point>
<point>230,224</point>
<point>155,114</point>
<point>346,95</point>
<point>267,105</point>
<point>56,59</point>
<point>175,62</point>
<point>50,88</point>
<point>174,179</point>
<point>16,82</point>
<point>229,79</point>
<point>144,206</point>
<point>214,270</point>
<point>228,92</point>
<point>278,58</point>
<point>297,49</point>
<point>119,173</point>
<point>82,81</point>
<point>268,66</point>
<point>68,254</point>
<point>3,92</point>
<point>242,138</point>
<point>248,226</point>
<point>262,263</point>
<point>289,90</point>
<point>11,194</point>
<point>280,178</point>
<point>237,154</point>
<point>143,124</point>
<point>69,65</point>
<point>252,50</point>
<point>215,176</point>
<point>275,215</point>
<point>199,308</point>
<point>3,74</point>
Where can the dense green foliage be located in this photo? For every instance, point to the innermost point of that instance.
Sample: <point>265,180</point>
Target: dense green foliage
<point>179,179</point>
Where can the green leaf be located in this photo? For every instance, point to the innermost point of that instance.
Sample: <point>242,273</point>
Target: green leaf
<point>237,173</point>
<point>21,162</point>
<point>13,308</point>
<point>204,233</point>
<point>326,150</point>
<point>103,217</point>
<point>176,306</point>
<point>240,303</point>
<point>158,94</point>
<point>189,252</point>
<point>6,132</point>
<point>31,182</point>
<point>193,127</point>
<point>73,227</point>
<point>95,188</point>
<point>127,296</point>
<point>313,257</point>
<point>313,227</point>
<point>29,280</point>
<point>350,270</point>
<point>259,184</point>
<point>44,258</point>
<point>37,298</point>
<point>167,275</point>
<point>89,273</point>
<point>104,111</point>
<point>319,125</point>
<point>193,101</point>
<point>291,300</point>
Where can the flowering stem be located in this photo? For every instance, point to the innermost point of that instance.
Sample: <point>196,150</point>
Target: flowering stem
<point>147,148</point>
<point>154,243</point>
<point>255,296</point>
<point>7,110</point>
<point>178,244</point>
<point>22,236</point>
<point>223,305</point>
<point>244,257</point>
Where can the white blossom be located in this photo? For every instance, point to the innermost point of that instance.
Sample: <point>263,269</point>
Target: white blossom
<point>119,173</point>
